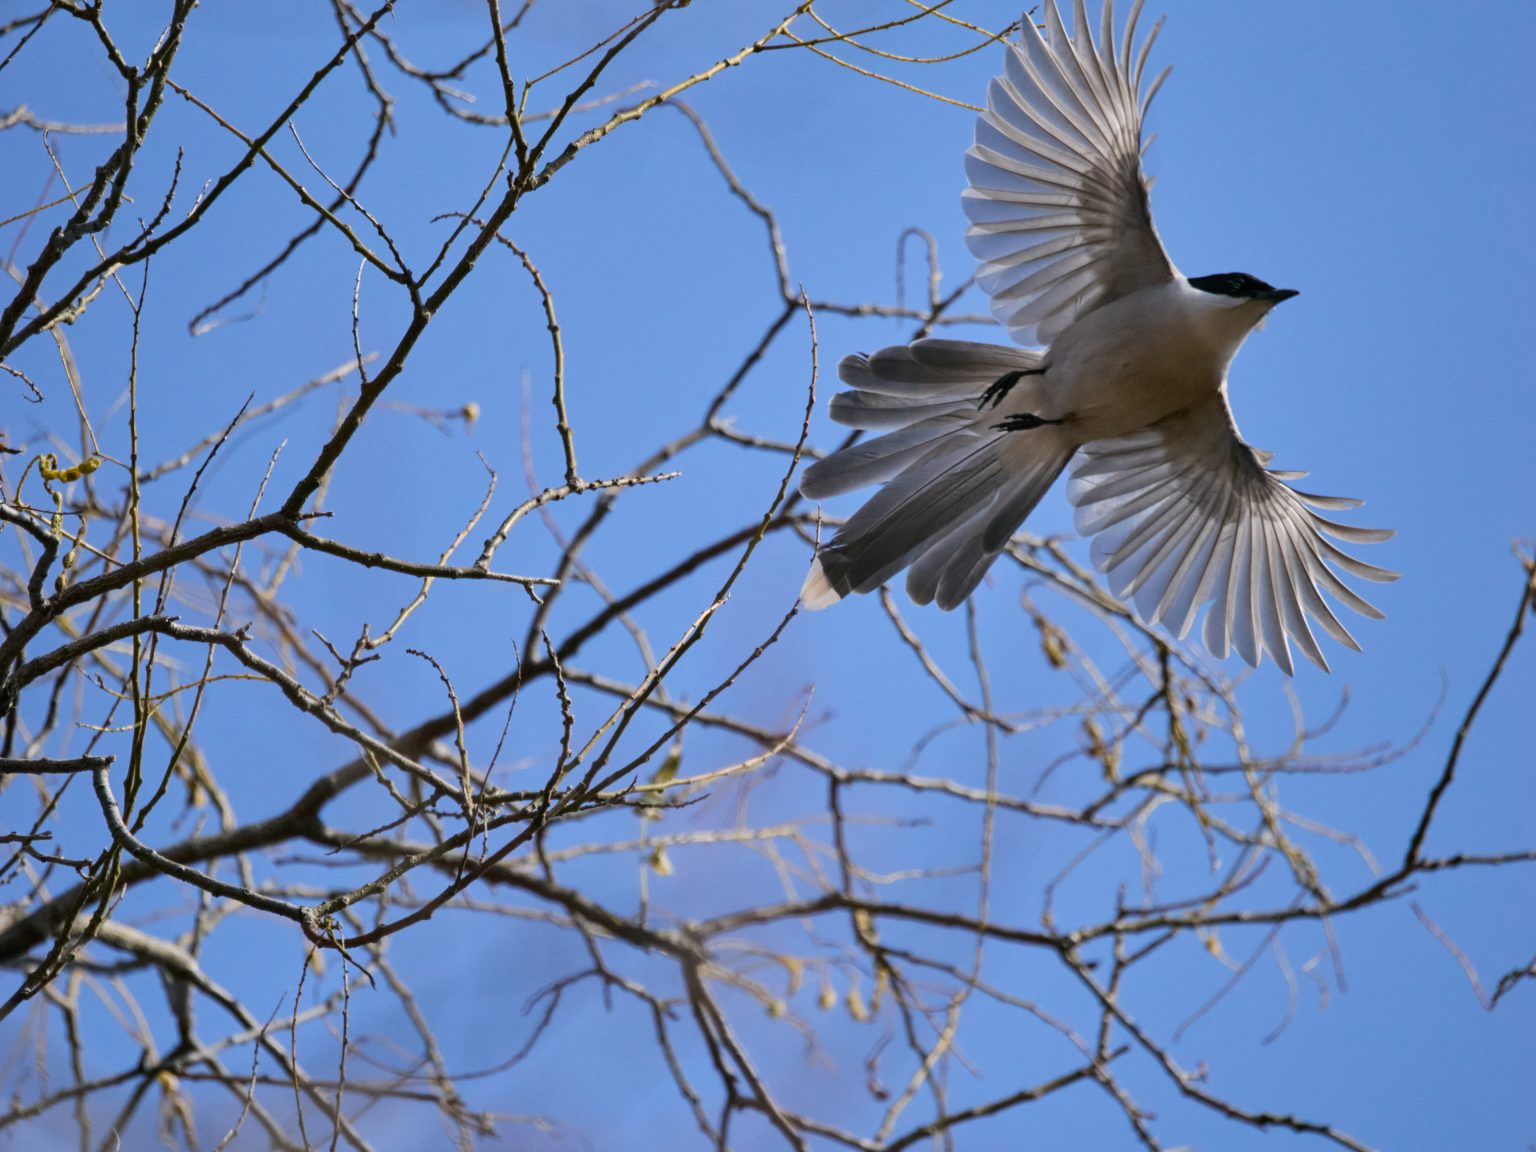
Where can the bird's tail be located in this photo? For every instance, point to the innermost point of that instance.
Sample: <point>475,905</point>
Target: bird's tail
<point>955,488</point>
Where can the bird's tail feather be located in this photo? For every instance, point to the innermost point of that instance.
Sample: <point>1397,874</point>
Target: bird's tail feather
<point>955,488</point>
<point>929,370</point>
<point>874,461</point>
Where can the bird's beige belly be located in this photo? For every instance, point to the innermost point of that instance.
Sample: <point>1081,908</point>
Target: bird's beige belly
<point>1128,385</point>
<point>1114,406</point>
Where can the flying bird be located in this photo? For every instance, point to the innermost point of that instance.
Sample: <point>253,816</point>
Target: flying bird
<point>1127,385</point>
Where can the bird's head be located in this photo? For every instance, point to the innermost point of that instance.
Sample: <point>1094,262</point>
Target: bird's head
<point>1237,303</point>
<point>1241,288</point>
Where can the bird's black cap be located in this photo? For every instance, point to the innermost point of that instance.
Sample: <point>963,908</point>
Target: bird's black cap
<point>1242,285</point>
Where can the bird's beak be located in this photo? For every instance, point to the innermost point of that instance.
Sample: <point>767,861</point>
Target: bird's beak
<point>1276,295</point>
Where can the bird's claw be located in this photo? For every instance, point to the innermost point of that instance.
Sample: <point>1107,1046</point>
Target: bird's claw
<point>1023,422</point>
<point>1000,387</point>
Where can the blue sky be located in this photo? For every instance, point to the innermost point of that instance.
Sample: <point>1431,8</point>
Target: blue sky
<point>1377,157</point>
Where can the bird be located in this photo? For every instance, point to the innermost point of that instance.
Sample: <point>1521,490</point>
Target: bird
<point>1119,372</point>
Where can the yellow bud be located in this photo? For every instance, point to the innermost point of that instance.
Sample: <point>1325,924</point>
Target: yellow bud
<point>796,971</point>
<point>1212,944</point>
<point>668,770</point>
<point>855,1002</point>
<point>864,924</point>
<point>1053,643</point>
<point>48,468</point>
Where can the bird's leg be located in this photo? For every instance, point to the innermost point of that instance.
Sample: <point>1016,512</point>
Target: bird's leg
<point>1000,387</point>
<point>1023,422</point>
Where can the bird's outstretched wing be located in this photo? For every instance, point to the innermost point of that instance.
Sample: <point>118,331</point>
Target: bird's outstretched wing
<point>1184,513</point>
<point>1057,200</point>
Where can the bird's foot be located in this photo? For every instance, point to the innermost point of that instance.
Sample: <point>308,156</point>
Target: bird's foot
<point>1023,422</point>
<point>1000,387</point>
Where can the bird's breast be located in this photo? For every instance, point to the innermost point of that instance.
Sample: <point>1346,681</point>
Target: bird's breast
<point>1129,364</point>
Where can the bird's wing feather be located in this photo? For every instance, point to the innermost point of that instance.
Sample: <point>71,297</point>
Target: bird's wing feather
<point>1057,200</point>
<point>1184,514</point>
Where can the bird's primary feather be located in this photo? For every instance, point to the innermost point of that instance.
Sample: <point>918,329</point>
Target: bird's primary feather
<point>1057,200</point>
<point>1184,513</point>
